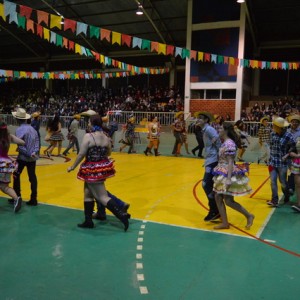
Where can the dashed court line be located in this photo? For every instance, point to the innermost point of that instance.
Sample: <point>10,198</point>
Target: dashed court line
<point>140,276</point>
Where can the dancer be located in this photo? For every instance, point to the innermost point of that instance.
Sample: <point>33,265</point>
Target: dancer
<point>100,214</point>
<point>56,137</point>
<point>281,143</point>
<point>178,129</point>
<point>97,167</point>
<point>73,135</point>
<point>264,133</point>
<point>153,134</point>
<point>243,135</point>
<point>27,156</point>
<point>230,180</point>
<point>199,137</point>
<point>7,165</point>
<point>129,135</point>
<point>295,170</point>
<point>212,144</point>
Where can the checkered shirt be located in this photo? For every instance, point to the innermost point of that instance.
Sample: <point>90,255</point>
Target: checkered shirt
<point>280,145</point>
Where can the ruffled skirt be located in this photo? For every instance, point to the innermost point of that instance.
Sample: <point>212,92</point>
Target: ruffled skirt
<point>96,171</point>
<point>295,167</point>
<point>239,180</point>
<point>7,167</point>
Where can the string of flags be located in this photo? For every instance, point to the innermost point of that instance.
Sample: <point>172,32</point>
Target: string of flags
<point>24,19</point>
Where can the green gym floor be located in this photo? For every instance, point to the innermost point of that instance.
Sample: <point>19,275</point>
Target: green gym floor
<point>169,252</point>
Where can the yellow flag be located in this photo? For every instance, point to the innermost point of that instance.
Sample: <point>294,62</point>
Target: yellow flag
<point>200,56</point>
<point>77,48</point>
<point>162,48</point>
<point>46,34</point>
<point>55,21</point>
<point>2,11</point>
<point>116,38</point>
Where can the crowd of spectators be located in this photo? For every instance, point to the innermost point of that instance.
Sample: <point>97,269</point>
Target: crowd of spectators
<point>280,107</point>
<point>77,100</point>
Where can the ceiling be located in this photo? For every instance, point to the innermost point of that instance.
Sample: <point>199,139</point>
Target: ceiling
<point>274,28</point>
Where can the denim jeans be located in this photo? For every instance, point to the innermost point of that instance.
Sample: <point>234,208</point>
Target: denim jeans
<point>32,178</point>
<point>281,174</point>
<point>208,184</point>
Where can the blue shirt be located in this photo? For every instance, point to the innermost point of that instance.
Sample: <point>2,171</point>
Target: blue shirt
<point>295,133</point>
<point>29,135</point>
<point>212,144</point>
<point>280,145</point>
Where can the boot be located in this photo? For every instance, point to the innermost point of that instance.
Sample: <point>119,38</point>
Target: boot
<point>146,151</point>
<point>156,152</point>
<point>123,205</point>
<point>88,212</point>
<point>100,214</point>
<point>119,213</point>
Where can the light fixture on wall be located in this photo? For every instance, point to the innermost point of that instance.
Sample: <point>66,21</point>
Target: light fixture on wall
<point>240,1</point>
<point>139,11</point>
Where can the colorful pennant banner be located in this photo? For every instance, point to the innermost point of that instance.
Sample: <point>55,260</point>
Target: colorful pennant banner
<point>69,74</point>
<point>8,10</point>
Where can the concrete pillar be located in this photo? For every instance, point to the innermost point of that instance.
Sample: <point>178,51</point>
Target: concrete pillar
<point>240,70</point>
<point>187,88</point>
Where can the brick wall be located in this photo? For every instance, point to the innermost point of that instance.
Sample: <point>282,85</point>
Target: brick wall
<point>220,107</point>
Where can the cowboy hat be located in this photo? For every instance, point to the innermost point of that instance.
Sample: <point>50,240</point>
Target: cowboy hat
<point>77,116</point>
<point>207,114</point>
<point>179,113</point>
<point>264,118</point>
<point>21,114</point>
<point>36,114</point>
<point>280,122</point>
<point>293,117</point>
<point>89,113</point>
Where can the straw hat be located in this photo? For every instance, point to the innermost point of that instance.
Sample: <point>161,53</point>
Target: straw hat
<point>89,113</point>
<point>36,114</point>
<point>21,114</point>
<point>280,122</point>
<point>293,117</point>
<point>179,113</point>
<point>206,114</point>
<point>216,116</point>
<point>264,118</point>
<point>77,116</point>
<point>105,119</point>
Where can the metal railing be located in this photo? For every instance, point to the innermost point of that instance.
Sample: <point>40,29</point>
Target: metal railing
<point>165,119</point>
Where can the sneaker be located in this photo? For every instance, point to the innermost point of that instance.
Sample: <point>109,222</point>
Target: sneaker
<point>17,204</point>
<point>272,203</point>
<point>212,216</point>
<point>296,208</point>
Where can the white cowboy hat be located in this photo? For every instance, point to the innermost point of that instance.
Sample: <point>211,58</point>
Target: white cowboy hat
<point>280,122</point>
<point>21,114</point>
<point>89,113</point>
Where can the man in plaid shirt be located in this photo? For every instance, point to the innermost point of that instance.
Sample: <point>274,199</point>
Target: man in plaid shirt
<point>281,143</point>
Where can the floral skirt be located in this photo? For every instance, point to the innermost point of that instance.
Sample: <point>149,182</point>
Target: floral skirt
<point>7,167</point>
<point>239,180</point>
<point>295,167</point>
<point>96,171</point>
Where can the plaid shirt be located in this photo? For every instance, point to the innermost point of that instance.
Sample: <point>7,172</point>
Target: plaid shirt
<point>264,134</point>
<point>280,145</point>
